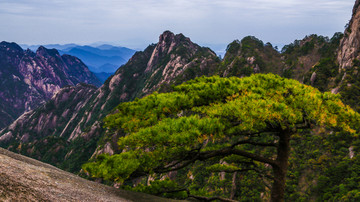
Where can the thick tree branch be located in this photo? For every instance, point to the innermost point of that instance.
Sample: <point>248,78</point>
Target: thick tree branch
<point>178,166</point>
<point>196,154</point>
<point>202,156</point>
<point>268,129</point>
<point>229,151</point>
<point>254,143</point>
<point>190,154</point>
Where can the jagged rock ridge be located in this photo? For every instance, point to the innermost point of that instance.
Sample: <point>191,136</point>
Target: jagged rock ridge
<point>74,127</point>
<point>28,79</point>
<point>176,59</point>
<point>172,60</point>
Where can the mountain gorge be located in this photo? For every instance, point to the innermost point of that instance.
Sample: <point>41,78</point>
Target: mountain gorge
<point>29,79</point>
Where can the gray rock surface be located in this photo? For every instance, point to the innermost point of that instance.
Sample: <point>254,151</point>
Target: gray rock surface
<point>25,179</point>
<point>350,44</point>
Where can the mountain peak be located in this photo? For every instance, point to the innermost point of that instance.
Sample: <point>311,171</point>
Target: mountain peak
<point>356,6</point>
<point>28,78</point>
<point>10,46</point>
<point>168,42</point>
<point>167,37</point>
<point>42,51</point>
<point>29,53</point>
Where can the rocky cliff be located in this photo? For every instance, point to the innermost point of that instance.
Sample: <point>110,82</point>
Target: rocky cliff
<point>350,44</point>
<point>25,179</point>
<point>65,132</point>
<point>348,59</point>
<point>28,79</point>
<point>45,119</point>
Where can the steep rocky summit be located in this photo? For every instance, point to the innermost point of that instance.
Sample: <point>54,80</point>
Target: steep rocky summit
<point>68,130</point>
<point>348,58</point>
<point>65,131</point>
<point>29,79</point>
<point>350,44</point>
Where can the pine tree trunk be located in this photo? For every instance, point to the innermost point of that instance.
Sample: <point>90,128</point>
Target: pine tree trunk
<point>280,170</point>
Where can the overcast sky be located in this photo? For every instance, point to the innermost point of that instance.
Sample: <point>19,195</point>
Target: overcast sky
<point>137,23</point>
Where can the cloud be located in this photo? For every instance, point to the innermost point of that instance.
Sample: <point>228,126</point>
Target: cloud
<point>141,21</point>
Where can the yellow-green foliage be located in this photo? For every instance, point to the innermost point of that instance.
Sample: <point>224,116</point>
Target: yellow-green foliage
<point>211,113</point>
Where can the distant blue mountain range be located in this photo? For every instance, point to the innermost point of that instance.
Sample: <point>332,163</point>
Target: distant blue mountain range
<point>103,58</point>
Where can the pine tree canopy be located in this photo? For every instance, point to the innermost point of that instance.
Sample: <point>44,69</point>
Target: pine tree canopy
<point>241,120</point>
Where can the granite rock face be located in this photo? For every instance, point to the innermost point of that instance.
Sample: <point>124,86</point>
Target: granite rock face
<point>173,60</point>
<point>64,105</point>
<point>350,44</point>
<point>29,79</point>
<point>25,179</point>
<point>70,128</point>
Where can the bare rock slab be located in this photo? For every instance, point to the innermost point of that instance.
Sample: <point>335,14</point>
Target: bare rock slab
<point>25,179</point>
